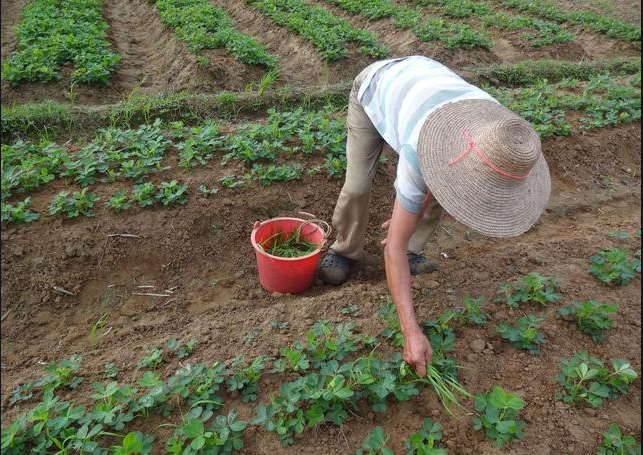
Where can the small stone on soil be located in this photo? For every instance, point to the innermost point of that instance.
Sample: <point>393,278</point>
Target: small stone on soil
<point>590,411</point>
<point>478,345</point>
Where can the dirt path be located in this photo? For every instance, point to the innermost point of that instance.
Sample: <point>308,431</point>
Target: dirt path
<point>11,11</point>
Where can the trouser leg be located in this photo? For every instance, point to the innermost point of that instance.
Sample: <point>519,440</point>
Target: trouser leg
<point>426,227</point>
<point>363,148</point>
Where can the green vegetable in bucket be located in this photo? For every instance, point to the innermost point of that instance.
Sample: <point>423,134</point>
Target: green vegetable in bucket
<point>284,246</point>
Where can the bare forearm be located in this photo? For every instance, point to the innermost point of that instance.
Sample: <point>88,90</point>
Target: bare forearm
<point>398,277</point>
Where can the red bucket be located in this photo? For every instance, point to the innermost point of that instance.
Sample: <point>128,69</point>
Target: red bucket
<point>287,275</point>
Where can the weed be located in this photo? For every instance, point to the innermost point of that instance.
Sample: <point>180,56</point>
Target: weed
<point>591,317</point>
<point>94,333</point>
<point>279,325</point>
<point>110,371</point>
<point>614,266</point>
<point>497,415</point>
<point>533,287</point>
<point>203,189</point>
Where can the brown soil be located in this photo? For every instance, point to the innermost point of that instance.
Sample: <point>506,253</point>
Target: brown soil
<point>218,300</point>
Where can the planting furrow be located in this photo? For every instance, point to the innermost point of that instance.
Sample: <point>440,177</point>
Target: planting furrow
<point>155,60</point>
<point>11,12</point>
<point>299,62</point>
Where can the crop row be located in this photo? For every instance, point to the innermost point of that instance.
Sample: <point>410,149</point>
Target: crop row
<point>202,25</point>
<point>331,374</point>
<point>537,32</point>
<point>598,22</point>
<point>266,149</point>
<point>328,33</point>
<point>52,33</point>
<point>452,35</point>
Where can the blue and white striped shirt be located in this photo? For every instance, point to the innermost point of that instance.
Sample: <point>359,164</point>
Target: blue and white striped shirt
<point>398,95</point>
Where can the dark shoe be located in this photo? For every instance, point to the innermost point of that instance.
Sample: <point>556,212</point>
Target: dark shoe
<point>419,264</point>
<point>335,269</point>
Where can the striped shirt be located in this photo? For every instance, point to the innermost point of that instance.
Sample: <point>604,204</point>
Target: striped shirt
<point>398,95</point>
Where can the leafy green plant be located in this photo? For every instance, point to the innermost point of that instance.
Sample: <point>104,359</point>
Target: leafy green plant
<point>18,213</point>
<point>76,33</point>
<point>181,350</point>
<point>393,331</point>
<point>349,309</point>
<point>423,442</point>
<point>152,360</point>
<point>472,313</point>
<point>591,317</point>
<point>203,189</point>
<point>273,173</point>
<point>172,193</point>
<point>375,443</point>
<point>244,379</point>
<point>329,33</point>
<point>119,201</point>
<point>586,379</point>
<point>134,443</point>
<point>79,203</point>
<point>533,287</point>
<point>524,335</point>
<point>616,443</point>
<point>145,194</point>
<point>110,371</point>
<point>613,266</point>
<point>497,413</point>
<point>222,438</point>
<point>61,374</point>
<point>203,25</point>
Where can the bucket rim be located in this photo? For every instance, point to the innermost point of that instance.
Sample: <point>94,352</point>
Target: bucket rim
<point>285,218</point>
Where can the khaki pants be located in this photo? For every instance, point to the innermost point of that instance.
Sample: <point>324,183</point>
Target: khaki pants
<point>350,219</point>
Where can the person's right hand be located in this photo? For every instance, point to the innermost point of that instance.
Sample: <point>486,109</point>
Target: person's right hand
<point>417,351</point>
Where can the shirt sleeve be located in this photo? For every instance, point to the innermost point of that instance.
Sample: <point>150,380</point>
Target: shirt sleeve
<point>409,187</point>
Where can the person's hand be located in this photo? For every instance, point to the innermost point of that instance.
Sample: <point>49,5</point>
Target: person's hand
<point>417,351</point>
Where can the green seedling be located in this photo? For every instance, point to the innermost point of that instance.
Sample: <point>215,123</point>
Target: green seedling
<point>497,413</point>
<point>423,442</point>
<point>591,317</point>
<point>110,371</point>
<point>203,189</point>
<point>144,195</point>
<point>181,350</point>
<point>224,436</point>
<point>119,201</point>
<point>172,193</point>
<point>393,331</point>
<point>349,309</point>
<point>614,266</point>
<point>152,360</point>
<point>586,379</point>
<point>473,313</point>
<point>524,335</point>
<point>231,181</point>
<point>279,325</point>
<point>288,245</point>
<point>375,444</point>
<point>61,374</point>
<point>244,379</point>
<point>18,213</point>
<point>80,203</point>
<point>616,443</point>
<point>134,443</point>
<point>533,287</point>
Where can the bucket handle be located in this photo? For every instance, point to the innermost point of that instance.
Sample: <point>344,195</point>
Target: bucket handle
<point>323,225</point>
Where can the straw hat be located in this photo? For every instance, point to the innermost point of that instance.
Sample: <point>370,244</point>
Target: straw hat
<point>485,166</point>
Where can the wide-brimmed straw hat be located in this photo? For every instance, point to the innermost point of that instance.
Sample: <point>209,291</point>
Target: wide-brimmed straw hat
<point>485,166</point>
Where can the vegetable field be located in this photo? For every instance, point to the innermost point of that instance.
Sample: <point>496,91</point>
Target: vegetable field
<point>141,139</point>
